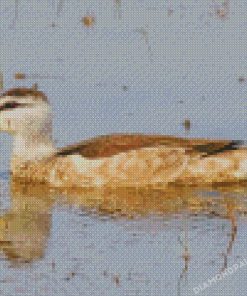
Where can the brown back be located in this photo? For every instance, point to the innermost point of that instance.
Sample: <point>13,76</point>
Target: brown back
<point>109,145</point>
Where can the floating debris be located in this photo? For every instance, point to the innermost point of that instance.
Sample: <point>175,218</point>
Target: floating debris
<point>187,124</point>
<point>186,256</point>
<point>105,273</point>
<point>20,76</point>
<point>60,7</point>
<point>241,79</point>
<point>222,11</point>
<point>88,20</point>
<point>35,86</point>
<point>170,11</point>
<point>116,279</point>
<point>1,80</point>
<point>145,35</point>
<point>53,266</point>
<point>70,276</point>
<point>16,15</point>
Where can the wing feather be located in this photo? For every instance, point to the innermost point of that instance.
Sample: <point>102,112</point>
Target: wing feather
<point>109,145</point>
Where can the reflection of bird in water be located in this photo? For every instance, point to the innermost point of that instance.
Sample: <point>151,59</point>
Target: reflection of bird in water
<point>118,160</point>
<point>25,228</point>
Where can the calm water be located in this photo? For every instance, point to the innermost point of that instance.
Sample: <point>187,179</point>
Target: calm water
<point>144,66</point>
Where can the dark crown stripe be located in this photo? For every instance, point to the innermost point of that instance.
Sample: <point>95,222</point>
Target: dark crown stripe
<point>25,92</point>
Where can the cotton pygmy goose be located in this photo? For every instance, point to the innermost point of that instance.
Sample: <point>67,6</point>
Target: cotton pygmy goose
<point>110,160</point>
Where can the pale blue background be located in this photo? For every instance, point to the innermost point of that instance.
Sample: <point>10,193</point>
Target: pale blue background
<point>193,56</point>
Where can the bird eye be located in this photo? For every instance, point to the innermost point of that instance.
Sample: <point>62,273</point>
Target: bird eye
<point>9,105</point>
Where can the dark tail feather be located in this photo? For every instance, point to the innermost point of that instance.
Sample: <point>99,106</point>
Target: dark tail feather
<point>211,149</point>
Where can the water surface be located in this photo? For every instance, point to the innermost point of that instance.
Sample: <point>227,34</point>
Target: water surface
<point>142,67</point>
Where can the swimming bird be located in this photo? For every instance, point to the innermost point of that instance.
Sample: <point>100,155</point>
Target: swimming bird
<point>117,160</point>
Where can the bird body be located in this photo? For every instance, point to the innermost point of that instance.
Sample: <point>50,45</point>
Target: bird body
<point>142,167</point>
<point>116,160</point>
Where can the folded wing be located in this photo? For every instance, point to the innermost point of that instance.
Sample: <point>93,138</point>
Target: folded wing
<point>109,145</point>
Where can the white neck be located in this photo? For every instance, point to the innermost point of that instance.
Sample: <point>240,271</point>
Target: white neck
<point>33,146</point>
<point>33,134</point>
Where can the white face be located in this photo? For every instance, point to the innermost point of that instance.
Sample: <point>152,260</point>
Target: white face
<point>23,114</point>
